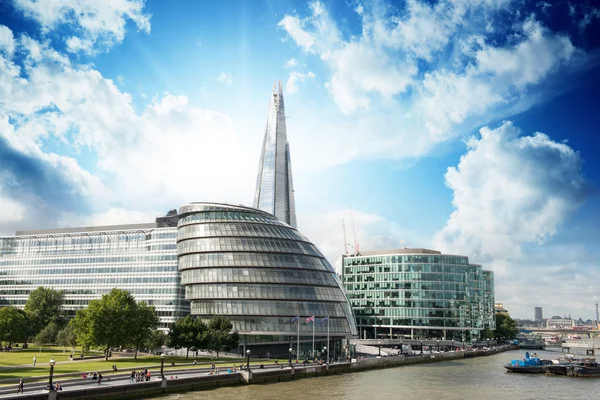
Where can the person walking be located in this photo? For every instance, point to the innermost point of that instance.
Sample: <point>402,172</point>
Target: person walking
<point>99,377</point>
<point>132,378</point>
<point>34,360</point>
<point>20,390</point>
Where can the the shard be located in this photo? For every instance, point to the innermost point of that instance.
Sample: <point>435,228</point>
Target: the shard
<point>274,187</point>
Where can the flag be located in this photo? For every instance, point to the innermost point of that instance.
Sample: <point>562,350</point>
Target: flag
<point>323,320</point>
<point>291,321</point>
<point>310,319</point>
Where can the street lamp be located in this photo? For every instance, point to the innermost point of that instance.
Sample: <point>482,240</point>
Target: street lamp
<point>52,362</point>
<point>438,346</point>
<point>379,348</point>
<point>248,360</point>
<point>290,360</point>
<point>162,365</point>
<point>421,347</point>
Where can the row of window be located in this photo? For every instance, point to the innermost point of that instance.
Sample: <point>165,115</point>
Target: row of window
<point>433,322</point>
<point>240,259</point>
<point>409,303</point>
<point>87,270</point>
<point>414,312</point>
<point>92,290</point>
<point>147,257</point>
<point>243,244</point>
<point>263,292</point>
<point>409,294</point>
<point>396,268</point>
<point>278,324</point>
<point>239,230</point>
<point>222,216</point>
<point>409,258</point>
<point>410,285</point>
<point>257,275</point>
<point>274,308</point>
<point>118,280</point>
<point>88,250</point>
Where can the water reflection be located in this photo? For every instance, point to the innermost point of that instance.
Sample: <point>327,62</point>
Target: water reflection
<point>479,378</point>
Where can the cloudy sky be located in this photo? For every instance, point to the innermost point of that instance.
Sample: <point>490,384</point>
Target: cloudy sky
<point>467,126</point>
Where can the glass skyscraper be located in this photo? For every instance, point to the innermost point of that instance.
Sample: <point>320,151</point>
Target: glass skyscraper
<point>260,273</point>
<point>274,187</point>
<point>86,263</point>
<point>418,293</point>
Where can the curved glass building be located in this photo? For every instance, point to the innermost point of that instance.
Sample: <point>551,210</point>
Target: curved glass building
<point>418,293</point>
<point>261,273</point>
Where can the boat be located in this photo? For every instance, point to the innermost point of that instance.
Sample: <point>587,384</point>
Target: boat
<point>529,365</point>
<point>588,368</point>
<point>567,365</point>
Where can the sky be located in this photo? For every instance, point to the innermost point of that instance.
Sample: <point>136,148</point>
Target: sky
<point>465,126</point>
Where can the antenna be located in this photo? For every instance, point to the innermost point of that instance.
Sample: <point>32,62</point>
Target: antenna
<point>346,242</point>
<point>354,232</point>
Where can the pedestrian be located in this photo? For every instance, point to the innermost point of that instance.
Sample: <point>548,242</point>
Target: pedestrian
<point>20,390</point>
<point>34,360</point>
<point>132,377</point>
<point>99,377</point>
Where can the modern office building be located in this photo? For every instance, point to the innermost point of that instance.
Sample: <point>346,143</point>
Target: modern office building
<point>86,263</point>
<point>262,274</point>
<point>274,188</point>
<point>538,316</point>
<point>418,293</point>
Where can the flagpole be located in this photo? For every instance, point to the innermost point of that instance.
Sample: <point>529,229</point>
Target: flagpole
<point>313,350</point>
<point>298,341</point>
<point>328,348</point>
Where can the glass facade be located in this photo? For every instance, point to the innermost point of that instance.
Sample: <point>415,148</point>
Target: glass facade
<point>274,186</point>
<point>415,291</point>
<point>88,263</point>
<point>247,265</point>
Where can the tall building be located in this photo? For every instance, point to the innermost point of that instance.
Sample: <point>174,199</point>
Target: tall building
<point>538,314</point>
<point>247,265</point>
<point>418,293</point>
<point>87,262</point>
<point>274,188</point>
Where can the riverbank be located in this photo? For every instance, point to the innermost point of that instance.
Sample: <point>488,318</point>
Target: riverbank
<point>204,381</point>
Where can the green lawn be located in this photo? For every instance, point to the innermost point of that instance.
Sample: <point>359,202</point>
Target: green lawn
<point>22,357</point>
<point>63,365</point>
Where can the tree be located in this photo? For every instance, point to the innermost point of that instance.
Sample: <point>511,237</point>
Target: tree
<point>13,325</point>
<point>156,339</point>
<point>107,322</point>
<point>142,325</point>
<point>187,333</point>
<point>43,306</point>
<point>46,335</point>
<point>219,336</point>
<point>487,334</point>
<point>66,337</point>
<point>506,327</point>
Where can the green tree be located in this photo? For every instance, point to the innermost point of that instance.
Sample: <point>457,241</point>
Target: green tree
<point>156,339</point>
<point>187,333</point>
<point>13,325</point>
<point>43,306</point>
<point>47,335</point>
<point>142,325</point>
<point>506,327</point>
<point>219,336</point>
<point>487,334</point>
<point>66,337</point>
<point>107,322</point>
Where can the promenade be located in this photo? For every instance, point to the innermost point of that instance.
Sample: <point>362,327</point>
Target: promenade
<point>119,386</point>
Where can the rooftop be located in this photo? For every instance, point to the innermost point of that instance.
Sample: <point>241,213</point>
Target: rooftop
<point>399,251</point>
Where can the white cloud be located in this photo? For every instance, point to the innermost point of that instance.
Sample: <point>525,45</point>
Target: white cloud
<point>112,216</point>
<point>225,78</point>
<point>510,190</point>
<point>140,156</point>
<point>292,62</point>
<point>297,77</point>
<point>412,79</point>
<point>99,23</point>
<point>7,41</point>
<point>373,232</point>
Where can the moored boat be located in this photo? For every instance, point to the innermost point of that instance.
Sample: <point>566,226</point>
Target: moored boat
<point>586,369</point>
<point>529,365</point>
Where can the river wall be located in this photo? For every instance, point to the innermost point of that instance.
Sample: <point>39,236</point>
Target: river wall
<point>256,376</point>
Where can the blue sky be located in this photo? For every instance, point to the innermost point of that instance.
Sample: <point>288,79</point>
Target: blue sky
<point>466,126</point>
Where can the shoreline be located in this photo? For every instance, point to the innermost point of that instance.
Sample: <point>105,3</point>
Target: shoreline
<point>157,388</point>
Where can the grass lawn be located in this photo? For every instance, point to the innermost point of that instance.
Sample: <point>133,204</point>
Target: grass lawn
<point>22,357</point>
<point>63,365</point>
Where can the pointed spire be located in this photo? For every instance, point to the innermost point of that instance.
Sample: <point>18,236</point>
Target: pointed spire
<point>274,186</point>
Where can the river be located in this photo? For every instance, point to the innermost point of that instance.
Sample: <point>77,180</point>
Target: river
<point>475,378</point>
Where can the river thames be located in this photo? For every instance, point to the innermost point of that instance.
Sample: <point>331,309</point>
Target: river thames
<point>474,378</point>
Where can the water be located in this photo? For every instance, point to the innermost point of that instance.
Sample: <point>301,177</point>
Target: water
<point>475,378</point>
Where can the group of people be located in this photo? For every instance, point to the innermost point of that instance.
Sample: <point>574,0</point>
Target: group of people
<point>96,376</point>
<point>139,376</point>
